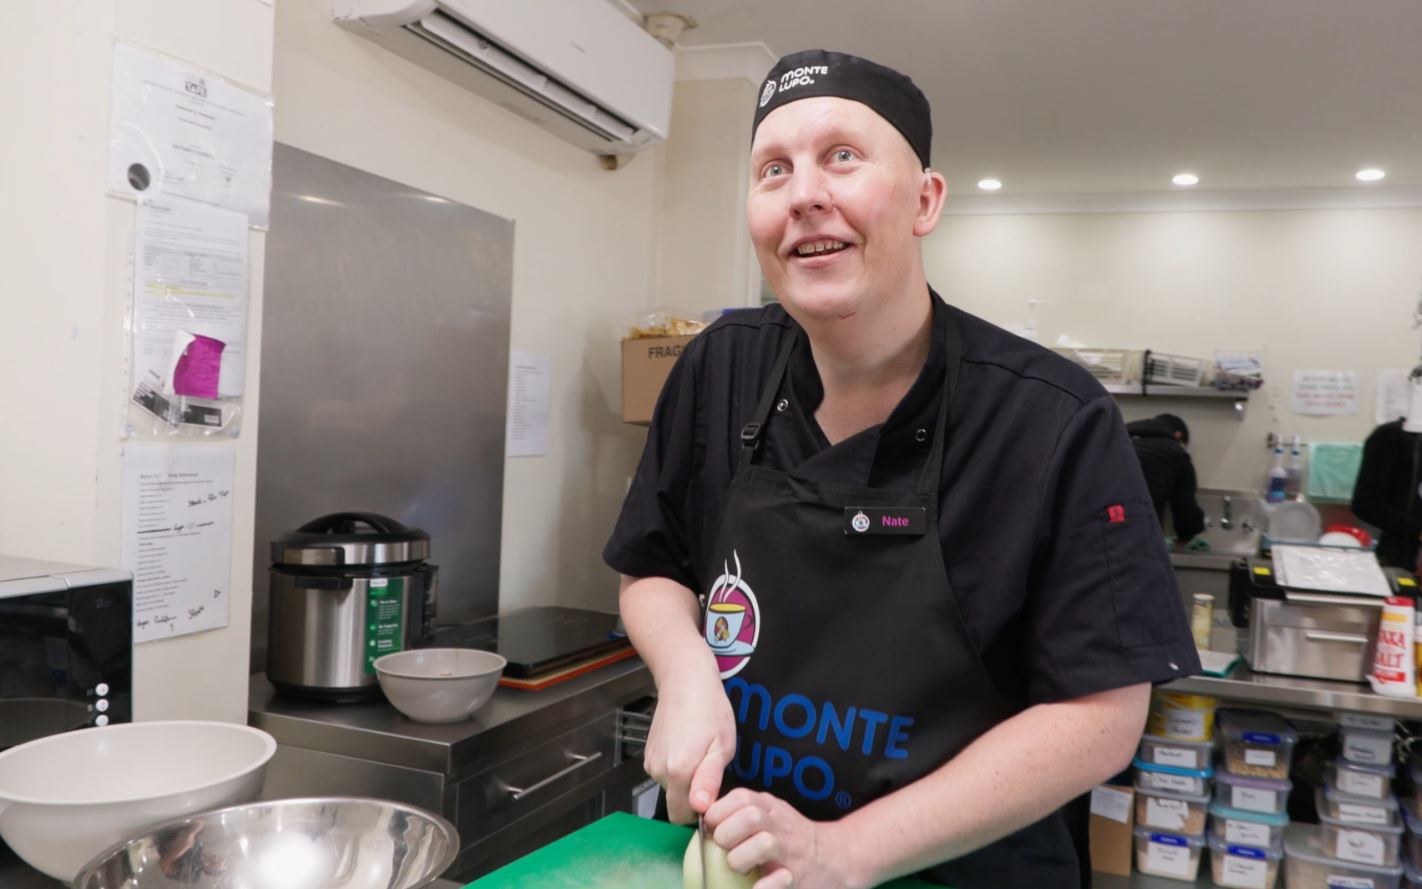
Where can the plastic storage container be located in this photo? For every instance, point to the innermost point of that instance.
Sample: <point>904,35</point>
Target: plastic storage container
<point>1181,717</point>
<point>1171,855</point>
<point>1178,813</point>
<point>1413,838</point>
<point>1365,746</point>
<point>1157,751</point>
<point>1373,782</point>
<point>1257,744</point>
<point>1240,828</point>
<point>1244,867</point>
<point>1307,866</point>
<point>1188,782</point>
<point>1357,809</point>
<point>1378,845</point>
<point>1265,795</point>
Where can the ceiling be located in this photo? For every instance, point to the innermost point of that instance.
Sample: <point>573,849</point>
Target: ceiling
<point>1103,98</point>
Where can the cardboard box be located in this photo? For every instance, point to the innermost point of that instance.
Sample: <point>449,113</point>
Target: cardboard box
<point>646,361</point>
<point>1113,811</point>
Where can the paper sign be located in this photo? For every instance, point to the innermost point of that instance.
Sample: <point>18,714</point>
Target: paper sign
<point>529,387</point>
<point>1324,393</point>
<point>176,527</point>
<point>190,290</point>
<point>1391,399</point>
<point>179,131</point>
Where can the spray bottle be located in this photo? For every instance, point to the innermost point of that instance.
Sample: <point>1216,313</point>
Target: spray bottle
<point>1293,471</point>
<point>1274,491</point>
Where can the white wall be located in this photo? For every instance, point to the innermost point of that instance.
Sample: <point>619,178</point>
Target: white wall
<point>583,260</point>
<point>64,247</point>
<point>1318,289</point>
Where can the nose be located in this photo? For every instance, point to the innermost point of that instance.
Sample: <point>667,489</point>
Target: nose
<point>809,193</point>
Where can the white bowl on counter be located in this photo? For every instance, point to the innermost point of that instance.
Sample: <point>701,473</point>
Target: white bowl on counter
<point>439,684</point>
<point>66,797</point>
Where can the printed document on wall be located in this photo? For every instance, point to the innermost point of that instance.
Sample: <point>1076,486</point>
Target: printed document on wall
<point>529,388</point>
<point>190,291</point>
<point>177,130</point>
<point>1325,393</point>
<point>1392,396</point>
<point>176,527</point>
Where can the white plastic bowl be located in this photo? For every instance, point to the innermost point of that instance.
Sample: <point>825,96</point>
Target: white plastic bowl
<point>67,797</point>
<point>439,684</point>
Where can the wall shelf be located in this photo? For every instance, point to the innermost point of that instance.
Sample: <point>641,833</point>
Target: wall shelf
<point>1157,390</point>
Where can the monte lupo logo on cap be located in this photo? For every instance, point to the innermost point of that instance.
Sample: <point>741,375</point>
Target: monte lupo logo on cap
<point>802,76</point>
<point>766,93</point>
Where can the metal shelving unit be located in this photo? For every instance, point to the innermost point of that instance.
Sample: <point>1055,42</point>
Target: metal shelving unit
<point>1160,390</point>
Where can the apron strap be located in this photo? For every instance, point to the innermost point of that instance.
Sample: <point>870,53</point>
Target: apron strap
<point>752,432</point>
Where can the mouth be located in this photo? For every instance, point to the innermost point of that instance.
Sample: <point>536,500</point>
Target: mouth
<point>819,247</point>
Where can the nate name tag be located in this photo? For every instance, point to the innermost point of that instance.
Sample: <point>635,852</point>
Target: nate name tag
<point>859,520</point>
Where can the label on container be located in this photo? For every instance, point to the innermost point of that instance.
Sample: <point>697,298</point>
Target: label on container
<point>1108,802</point>
<point>384,619</point>
<point>1366,750</point>
<point>1169,856</point>
<point>1367,721</point>
<point>1246,833</point>
<point>1185,723</point>
<point>1356,814</point>
<point>1174,783</point>
<point>1266,758</point>
<point>1337,882</point>
<point>1167,813</point>
<point>1260,738</point>
<point>1244,869</point>
<point>1360,783</point>
<point>1250,799</point>
<point>1360,846</point>
<point>1180,757</point>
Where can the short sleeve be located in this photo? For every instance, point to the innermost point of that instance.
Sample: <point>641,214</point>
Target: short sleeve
<point>652,537</point>
<point>1104,610</point>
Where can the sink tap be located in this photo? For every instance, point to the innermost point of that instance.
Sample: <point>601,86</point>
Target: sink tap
<point>1227,519</point>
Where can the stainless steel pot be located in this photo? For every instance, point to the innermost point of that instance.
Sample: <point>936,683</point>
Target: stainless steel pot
<point>345,589</point>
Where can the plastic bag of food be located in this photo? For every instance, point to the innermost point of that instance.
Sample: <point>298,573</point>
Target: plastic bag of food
<point>663,321</point>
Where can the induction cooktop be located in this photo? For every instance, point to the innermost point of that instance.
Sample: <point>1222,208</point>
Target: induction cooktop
<point>537,640</point>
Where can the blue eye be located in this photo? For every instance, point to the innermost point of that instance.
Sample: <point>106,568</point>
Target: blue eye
<point>844,154</point>
<point>775,169</point>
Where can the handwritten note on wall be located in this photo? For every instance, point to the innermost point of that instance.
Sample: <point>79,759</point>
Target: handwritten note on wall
<point>1325,393</point>
<point>177,536</point>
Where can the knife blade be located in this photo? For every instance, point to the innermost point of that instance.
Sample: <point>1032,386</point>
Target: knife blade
<point>701,845</point>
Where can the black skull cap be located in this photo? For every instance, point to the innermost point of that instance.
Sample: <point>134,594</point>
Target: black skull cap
<point>820,72</point>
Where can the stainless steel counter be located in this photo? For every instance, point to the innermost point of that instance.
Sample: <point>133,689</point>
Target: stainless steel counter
<point>376,731</point>
<point>1287,691</point>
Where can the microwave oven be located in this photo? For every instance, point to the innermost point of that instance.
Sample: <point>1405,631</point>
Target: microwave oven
<point>66,648</point>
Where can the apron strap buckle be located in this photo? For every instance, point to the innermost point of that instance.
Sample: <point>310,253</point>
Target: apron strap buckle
<point>750,433</point>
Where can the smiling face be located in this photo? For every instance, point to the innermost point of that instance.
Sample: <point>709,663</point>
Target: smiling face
<point>837,203</point>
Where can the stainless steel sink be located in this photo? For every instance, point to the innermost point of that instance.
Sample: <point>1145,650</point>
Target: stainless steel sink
<point>1234,522</point>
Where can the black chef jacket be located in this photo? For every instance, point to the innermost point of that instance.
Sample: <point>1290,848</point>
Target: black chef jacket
<point>1386,493</point>
<point>1037,464</point>
<point>1169,475</point>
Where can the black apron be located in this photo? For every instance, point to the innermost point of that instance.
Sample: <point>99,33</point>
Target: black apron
<point>844,651</point>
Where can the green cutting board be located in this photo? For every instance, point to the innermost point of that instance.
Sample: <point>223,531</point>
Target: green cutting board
<point>619,852</point>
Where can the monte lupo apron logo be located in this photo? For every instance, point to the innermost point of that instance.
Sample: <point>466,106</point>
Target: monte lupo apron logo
<point>732,620</point>
<point>860,522</point>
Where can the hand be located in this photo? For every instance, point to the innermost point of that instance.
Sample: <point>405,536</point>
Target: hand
<point>692,740</point>
<point>791,851</point>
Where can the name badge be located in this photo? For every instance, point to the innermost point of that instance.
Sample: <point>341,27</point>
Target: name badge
<point>864,520</point>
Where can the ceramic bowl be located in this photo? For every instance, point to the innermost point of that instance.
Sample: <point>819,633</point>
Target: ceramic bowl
<point>439,684</point>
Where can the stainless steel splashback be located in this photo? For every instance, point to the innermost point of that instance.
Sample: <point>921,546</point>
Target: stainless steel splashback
<point>385,341</point>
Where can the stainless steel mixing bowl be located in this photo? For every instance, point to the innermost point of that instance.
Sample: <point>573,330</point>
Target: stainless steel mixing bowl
<point>317,843</point>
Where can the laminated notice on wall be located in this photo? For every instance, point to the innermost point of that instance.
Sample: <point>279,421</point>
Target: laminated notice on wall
<point>178,131</point>
<point>1325,393</point>
<point>176,530</point>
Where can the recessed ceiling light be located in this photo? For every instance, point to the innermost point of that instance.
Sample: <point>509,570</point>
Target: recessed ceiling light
<point>989,184</point>
<point>1371,174</point>
<point>1186,179</point>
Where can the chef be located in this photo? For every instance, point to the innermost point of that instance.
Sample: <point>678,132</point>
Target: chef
<point>895,571</point>
<point>1388,492</point>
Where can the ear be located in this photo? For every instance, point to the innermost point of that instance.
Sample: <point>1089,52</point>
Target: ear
<point>932,195</point>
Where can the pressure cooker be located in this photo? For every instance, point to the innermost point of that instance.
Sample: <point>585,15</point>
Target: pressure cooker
<point>346,589</point>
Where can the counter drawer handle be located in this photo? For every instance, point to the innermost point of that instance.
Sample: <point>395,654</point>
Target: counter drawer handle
<point>1316,599</point>
<point>579,760</point>
<point>1318,636</point>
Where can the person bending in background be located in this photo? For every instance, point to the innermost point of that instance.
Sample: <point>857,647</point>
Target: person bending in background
<point>1386,494</point>
<point>1169,473</point>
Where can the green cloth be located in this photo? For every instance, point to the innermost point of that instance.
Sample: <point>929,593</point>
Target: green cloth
<point>1333,470</point>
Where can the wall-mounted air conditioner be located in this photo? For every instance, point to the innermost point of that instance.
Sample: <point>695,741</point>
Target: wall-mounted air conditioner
<point>579,68</point>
